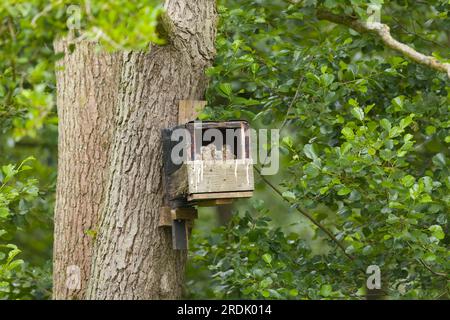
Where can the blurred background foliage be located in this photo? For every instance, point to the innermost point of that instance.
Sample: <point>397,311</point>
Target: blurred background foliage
<point>28,120</point>
<point>364,149</point>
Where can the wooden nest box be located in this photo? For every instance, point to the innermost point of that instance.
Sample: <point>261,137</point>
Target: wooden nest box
<point>207,162</point>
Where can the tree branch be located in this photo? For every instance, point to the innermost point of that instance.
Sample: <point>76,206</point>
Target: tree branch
<point>308,216</point>
<point>383,31</point>
<point>440,274</point>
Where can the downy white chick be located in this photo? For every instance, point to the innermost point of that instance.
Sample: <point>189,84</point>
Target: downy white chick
<point>208,152</point>
<point>227,152</point>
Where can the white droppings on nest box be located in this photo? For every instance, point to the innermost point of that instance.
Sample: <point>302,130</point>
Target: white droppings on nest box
<point>201,171</point>
<point>248,167</point>
<point>198,169</point>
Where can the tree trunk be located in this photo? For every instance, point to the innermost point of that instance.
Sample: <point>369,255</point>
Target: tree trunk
<point>112,108</point>
<point>87,95</point>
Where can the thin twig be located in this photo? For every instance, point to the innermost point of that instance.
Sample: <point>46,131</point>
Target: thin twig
<point>440,274</point>
<point>294,99</point>
<point>46,10</point>
<point>413,33</point>
<point>288,111</point>
<point>307,215</point>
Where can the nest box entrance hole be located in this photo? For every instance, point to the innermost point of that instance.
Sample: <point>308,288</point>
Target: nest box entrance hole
<point>226,142</point>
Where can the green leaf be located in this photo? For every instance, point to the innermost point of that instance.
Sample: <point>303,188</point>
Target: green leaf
<point>398,103</point>
<point>4,212</point>
<point>344,191</point>
<point>13,253</point>
<point>437,231</point>
<point>358,113</point>
<point>15,264</point>
<point>368,108</point>
<point>353,103</point>
<point>293,292</point>
<point>408,181</point>
<point>267,258</point>
<point>327,79</point>
<point>289,195</point>
<point>225,90</point>
<point>385,124</point>
<point>288,141</point>
<point>394,132</point>
<point>345,147</point>
<point>311,170</point>
<point>439,160</point>
<point>326,290</point>
<point>309,151</point>
<point>407,137</point>
<point>429,257</point>
<point>9,172</point>
<point>430,130</point>
<point>348,133</point>
<point>91,233</point>
<point>28,159</point>
<point>405,122</point>
<point>266,282</point>
<point>265,293</point>
<point>425,199</point>
<point>254,68</point>
<point>313,77</point>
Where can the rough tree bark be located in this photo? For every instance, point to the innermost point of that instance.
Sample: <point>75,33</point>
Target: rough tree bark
<point>112,108</point>
<point>87,95</point>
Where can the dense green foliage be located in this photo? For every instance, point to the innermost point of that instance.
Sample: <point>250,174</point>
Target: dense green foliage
<point>28,120</point>
<point>17,201</point>
<point>365,148</point>
<point>364,152</point>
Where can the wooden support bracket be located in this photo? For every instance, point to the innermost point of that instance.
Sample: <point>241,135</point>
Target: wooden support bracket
<point>181,221</point>
<point>213,202</point>
<point>167,215</point>
<point>188,110</point>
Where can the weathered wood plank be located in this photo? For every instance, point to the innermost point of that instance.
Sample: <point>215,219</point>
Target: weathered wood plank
<point>214,202</point>
<point>211,176</point>
<point>167,214</point>
<point>188,110</point>
<point>219,176</point>
<point>184,213</point>
<point>179,235</point>
<point>177,184</point>
<point>231,124</point>
<point>165,219</point>
<point>219,195</point>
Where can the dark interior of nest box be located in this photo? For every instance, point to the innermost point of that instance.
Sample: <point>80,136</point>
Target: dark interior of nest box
<point>231,135</point>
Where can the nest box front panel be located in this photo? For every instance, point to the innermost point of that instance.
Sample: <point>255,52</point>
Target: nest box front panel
<point>220,176</point>
<point>217,162</point>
